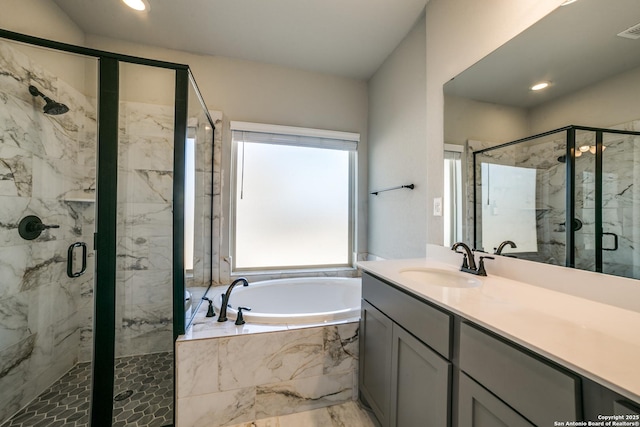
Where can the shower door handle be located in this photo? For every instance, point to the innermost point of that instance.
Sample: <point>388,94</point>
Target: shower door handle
<point>70,254</point>
<point>615,242</point>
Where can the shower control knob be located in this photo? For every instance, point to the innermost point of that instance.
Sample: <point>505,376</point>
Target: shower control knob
<point>30,227</point>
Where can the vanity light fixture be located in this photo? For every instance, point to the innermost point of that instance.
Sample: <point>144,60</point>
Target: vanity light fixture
<point>539,86</point>
<point>568,2</point>
<point>139,5</point>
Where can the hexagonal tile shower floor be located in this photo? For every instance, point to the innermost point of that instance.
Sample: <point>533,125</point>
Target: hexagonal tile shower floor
<point>143,396</point>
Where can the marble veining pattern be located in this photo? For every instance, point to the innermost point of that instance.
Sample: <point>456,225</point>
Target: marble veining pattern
<point>43,159</point>
<point>283,372</point>
<point>349,414</point>
<point>48,168</point>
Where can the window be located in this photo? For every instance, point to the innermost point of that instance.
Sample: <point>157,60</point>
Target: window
<point>292,198</point>
<point>189,200</point>
<point>452,194</point>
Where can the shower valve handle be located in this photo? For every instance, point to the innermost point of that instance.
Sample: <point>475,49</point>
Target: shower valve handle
<point>30,227</point>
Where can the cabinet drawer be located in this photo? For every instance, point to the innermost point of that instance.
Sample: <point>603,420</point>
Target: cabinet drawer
<point>424,321</point>
<point>526,383</point>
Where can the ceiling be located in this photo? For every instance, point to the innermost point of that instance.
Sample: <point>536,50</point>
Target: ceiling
<point>347,38</point>
<point>573,47</point>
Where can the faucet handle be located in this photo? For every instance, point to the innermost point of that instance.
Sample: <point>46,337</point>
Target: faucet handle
<point>465,263</point>
<point>481,269</point>
<point>240,319</point>
<point>210,312</point>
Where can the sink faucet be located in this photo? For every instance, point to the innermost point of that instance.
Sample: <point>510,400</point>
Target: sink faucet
<point>225,298</point>
<point>469,262</point>
<point>500,248</point>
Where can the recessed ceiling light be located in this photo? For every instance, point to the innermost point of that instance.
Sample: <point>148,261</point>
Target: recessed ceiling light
<point>139,5</point>
<point>568,2</point>
<point>539,86</point>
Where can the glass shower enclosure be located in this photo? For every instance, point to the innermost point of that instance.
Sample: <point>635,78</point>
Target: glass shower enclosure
<point>568,197</point>
<point>93,176</point>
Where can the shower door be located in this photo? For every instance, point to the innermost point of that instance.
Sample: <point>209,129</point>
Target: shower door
<point>607,202</point>
<point>143,385</point>
<point>48,134</point>
<point>620,232</point>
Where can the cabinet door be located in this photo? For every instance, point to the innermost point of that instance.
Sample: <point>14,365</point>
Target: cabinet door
<point>419,383</point>
<point>479,408</point>
<point>621,407</point>
<point>375,360</point>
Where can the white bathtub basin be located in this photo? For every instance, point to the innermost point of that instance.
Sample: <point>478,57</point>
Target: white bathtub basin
<point>293,301</point>
<point>438,277</point>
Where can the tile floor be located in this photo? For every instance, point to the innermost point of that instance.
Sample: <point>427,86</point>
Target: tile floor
<point>350,414</point>
<point>144,383</point>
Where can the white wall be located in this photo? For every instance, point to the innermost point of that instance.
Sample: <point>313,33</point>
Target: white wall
<point>397,151</point>
<point>459,33</point>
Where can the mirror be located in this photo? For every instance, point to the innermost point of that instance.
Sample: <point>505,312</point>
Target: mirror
<point>589,54</point>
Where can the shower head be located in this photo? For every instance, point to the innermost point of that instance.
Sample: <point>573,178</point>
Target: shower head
<point>51,107</point>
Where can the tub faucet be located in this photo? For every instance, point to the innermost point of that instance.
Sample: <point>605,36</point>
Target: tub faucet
<point>469,262</point>
<point>225,298</point>
<point>500,248</point>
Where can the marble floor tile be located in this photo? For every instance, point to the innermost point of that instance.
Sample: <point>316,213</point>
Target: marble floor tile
<point>350,414</point>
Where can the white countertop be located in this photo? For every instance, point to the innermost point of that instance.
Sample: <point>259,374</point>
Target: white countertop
<point>596,340</point>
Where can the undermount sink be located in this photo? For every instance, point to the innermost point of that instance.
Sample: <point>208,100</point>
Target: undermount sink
<point>444,278</point>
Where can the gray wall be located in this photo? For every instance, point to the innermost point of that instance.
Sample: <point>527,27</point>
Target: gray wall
<point>397,150</point>
<point>459,33</point>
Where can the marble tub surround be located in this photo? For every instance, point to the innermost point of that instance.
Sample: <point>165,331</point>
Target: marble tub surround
<point>234,379</point>
<point>594,339</point>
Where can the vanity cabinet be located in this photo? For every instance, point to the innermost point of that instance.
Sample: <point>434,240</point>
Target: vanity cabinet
<point>375,360</point>
<point>402,377</point>
<point>423,366</point>
<point>479,408</point>
<point>540,392</point>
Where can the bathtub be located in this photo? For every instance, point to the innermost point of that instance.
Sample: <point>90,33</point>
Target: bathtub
<point>296,301</point>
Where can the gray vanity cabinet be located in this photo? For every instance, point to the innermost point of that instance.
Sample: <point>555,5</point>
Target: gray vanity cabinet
<point>419,383</point>
<point>479,408</point>
<point>375,360</point>
<point>541,392</point>
<point>405,381</point>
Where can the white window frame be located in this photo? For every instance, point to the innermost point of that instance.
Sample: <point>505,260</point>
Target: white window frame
<point>329,137</point>
<point>456,217</point>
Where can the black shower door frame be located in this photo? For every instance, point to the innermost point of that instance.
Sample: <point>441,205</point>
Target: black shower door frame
<point>106,210</point>
<point>570,208</point>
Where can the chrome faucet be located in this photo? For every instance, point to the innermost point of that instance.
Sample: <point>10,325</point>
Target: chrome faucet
<point>469,262</point>
<point>225,298</point>
<point>500,248</point>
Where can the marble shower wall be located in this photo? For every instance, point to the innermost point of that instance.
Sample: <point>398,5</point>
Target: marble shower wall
<point>235,379</point>
<point>47,165</point>
<point>144,283</point>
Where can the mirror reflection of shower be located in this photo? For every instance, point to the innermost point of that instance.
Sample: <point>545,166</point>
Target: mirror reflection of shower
<point>51,107</point>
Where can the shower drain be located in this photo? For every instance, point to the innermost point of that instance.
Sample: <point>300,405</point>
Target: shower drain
<point>124,395</point>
